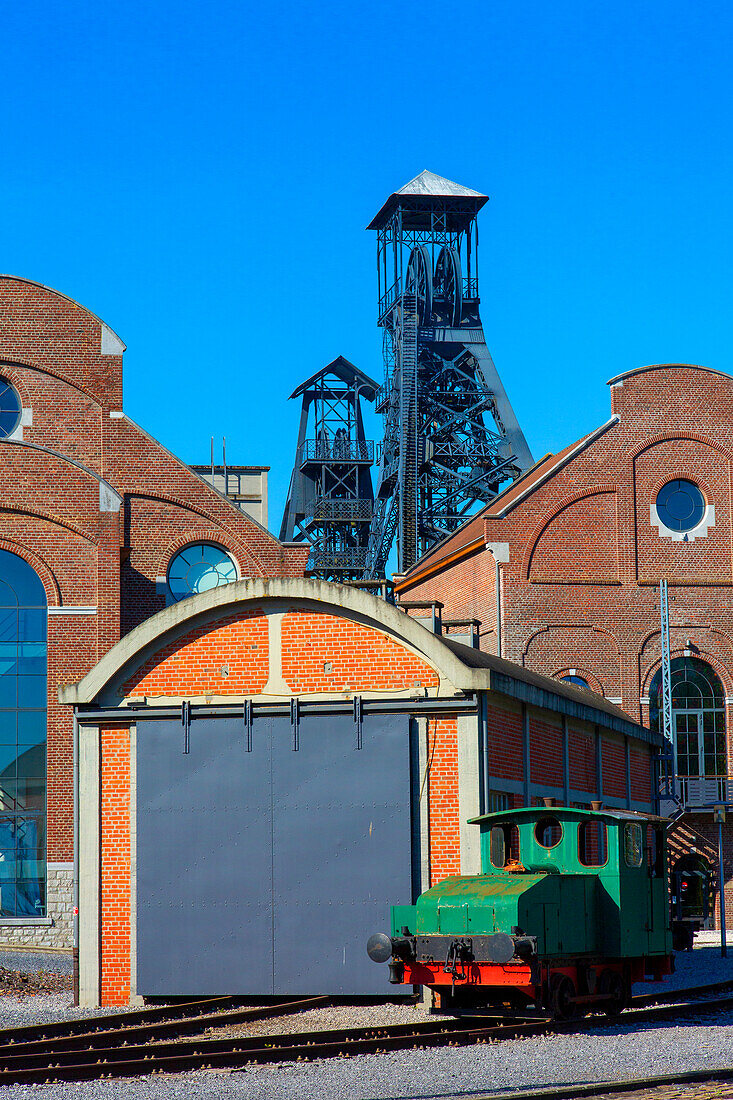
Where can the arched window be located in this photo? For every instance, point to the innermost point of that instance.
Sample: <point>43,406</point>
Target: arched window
<point>698,717</point>
<point>579,681</point>
<point>23,616</point>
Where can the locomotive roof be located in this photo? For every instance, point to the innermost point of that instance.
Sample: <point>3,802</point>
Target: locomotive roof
<point>559,811</point>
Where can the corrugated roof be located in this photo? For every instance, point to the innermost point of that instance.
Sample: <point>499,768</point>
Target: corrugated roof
<point>345,370</point>
<point>428,183</point>
<point>576,701</point>
<point>430,187</point>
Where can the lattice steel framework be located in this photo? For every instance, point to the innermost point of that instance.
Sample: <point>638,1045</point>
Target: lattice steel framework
<point>451,437</point>
<point>331,500</point>
<point>667,785</point>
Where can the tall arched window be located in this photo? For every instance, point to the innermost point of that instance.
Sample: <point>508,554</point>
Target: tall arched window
<point>23,617</point>
<point>698,718</point>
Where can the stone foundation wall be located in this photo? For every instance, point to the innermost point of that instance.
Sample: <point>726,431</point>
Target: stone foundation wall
<point>58,932</point>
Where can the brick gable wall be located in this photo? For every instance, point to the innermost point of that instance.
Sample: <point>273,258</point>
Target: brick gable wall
<point>51,351</point>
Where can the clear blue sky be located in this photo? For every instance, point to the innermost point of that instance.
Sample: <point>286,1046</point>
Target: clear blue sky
<point>200,175</point>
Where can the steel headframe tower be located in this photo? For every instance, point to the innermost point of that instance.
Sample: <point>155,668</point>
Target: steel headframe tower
<point>450,435</point>
<point>331,501</point>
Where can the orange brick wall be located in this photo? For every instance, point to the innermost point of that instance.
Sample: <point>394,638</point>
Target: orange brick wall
<point>506,756</point>
<point>229,659</point>
<point>445,849</point>
<point>325,653</point>
<point>613,759</point>
<point>582,756</point>
<point>320,653</point>
<point>545,752</point>
<point>115,870</point>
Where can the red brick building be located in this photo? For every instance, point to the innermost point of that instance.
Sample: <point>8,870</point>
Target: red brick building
<point>563,570</point>
<point>101,528</point>
<point>279,761</point>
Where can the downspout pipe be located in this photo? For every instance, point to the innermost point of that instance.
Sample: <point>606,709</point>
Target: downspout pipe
<point>500,552</point>
<point>75,882</point>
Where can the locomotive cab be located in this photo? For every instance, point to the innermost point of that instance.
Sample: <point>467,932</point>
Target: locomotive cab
<point>569,910</point>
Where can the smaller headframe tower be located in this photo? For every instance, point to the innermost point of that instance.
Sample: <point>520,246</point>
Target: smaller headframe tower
<point>331,501</point>
<point>450,434</point>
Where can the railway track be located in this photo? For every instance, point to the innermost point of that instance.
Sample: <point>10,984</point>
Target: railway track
<point>148,1041</point>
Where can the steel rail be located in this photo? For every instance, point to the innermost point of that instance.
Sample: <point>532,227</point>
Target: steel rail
<point>22,1066</point>
<point>189,1024</point>
<point>175,1015</point>
<point>608,1088</point>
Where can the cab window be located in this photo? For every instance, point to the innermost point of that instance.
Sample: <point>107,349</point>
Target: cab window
<point>654,851</point>
<point>592,843</point>
<point>548,832</point>
<point>504,845</point>
<point>633,845</point>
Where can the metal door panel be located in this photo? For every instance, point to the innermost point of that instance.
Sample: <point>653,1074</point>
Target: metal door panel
<point>203,864</point>
<point>341,851</point>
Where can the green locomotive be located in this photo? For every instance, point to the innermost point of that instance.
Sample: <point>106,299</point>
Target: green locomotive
<point>570,909</point>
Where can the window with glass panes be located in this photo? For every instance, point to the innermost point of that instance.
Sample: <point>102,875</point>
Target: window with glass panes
<point>23,620</point>
<point>698,716</point>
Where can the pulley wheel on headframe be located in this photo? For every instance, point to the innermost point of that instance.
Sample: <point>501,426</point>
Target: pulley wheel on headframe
<point>448,285</point>
<point>419,281</point>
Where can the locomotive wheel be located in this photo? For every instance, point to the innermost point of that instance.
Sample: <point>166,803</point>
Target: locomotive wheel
<point>562,991</point>
<point>613,983</point>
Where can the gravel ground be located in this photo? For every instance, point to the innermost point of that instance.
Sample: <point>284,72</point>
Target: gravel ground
<point>607,1053</point>
<point>57,962</point>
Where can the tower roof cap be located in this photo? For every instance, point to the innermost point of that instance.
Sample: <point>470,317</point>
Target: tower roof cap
<point>428,189</point>
<point>347,372</point>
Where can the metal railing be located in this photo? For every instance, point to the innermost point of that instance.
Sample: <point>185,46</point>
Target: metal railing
<point>337,450</point>
<point>702,790</point>
<point>337,559</point>
<point>327,508</point>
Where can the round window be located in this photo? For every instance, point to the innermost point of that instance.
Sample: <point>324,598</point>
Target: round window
<point>199,567</point>
<point>680,505</point>
<point>9,409</point>
<point>548,832</point>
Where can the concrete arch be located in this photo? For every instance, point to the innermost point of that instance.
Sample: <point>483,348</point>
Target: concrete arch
<point>276,595</point>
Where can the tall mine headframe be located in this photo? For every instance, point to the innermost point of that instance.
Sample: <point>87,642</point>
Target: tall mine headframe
<point>451,437</point>
<point>331,501</point>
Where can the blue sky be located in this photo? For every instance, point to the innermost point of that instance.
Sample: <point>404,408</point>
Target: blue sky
<point>200,176</point>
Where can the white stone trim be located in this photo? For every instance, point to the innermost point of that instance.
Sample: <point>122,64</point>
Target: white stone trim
<point>73,610</point>
<point>116,414</point>
<point>708,520</point>
<point>15,922</point>
<point>60,866</point>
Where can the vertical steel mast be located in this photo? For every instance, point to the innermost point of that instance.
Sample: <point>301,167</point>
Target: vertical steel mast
<point>450,434</point>
<point>667,785</point>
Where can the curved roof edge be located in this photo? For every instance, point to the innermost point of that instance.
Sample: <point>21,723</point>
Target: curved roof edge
<point>666,366</point>
<point>461,670</point>
<point>66,297</point>
<point>150,635</point>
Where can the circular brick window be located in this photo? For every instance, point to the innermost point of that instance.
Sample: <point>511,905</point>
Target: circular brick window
<point>199,567</point>
<point>9,409</point>
<point>680,505</point>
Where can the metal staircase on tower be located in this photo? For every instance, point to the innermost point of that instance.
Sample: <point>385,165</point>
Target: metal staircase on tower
<point>451,438</point>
